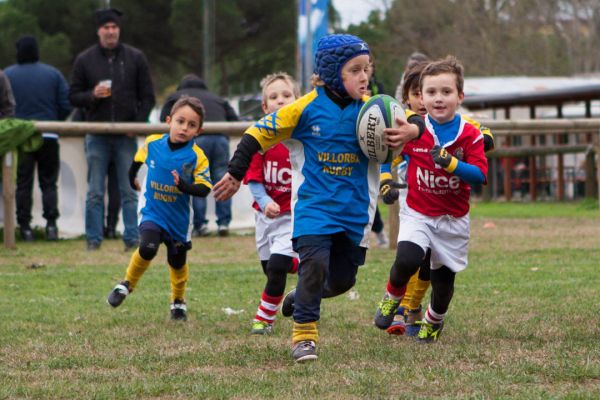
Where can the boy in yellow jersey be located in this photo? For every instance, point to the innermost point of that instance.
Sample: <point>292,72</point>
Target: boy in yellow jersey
<point>329,171</point>
<point>177,170</point>
<point>410,310</point>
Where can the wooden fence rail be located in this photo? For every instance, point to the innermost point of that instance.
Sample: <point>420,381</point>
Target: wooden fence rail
<point>508,128</point>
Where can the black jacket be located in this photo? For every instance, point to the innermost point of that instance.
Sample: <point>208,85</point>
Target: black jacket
<point>215,108</point>
<point>132,96</point>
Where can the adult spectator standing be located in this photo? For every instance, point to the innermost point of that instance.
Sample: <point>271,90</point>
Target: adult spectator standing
<point>111,82</point>
<point>41,93</point>
<point>214,145</point>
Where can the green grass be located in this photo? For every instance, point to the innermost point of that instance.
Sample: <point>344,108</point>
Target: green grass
<point>523,323</point>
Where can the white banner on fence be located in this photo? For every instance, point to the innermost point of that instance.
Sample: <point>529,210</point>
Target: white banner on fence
<point>72,186</point>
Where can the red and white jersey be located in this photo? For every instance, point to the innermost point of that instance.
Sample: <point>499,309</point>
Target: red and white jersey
<point>274,171</point>
<point>433,191</point>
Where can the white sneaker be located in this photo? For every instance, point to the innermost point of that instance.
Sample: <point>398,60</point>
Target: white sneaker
<point>382,239</point>
<point>223,230</point>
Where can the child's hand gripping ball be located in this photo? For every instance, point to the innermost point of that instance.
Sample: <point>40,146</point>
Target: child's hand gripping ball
<point>378,113</point>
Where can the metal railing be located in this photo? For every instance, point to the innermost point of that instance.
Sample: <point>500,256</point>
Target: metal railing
<point>501,129</point>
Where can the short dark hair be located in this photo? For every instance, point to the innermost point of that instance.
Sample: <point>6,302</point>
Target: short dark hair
<point>193,102</point>
<point>414,59</point>
<point>450,65</point>
<point>412,79</point>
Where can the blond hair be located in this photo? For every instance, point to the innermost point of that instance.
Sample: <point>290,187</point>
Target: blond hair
<point>284,76</point>
<point>315,80</point>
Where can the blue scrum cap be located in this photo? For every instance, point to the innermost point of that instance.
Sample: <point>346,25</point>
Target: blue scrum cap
<point>333,52</point>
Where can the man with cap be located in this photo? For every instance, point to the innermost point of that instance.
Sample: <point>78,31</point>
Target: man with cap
<point>41,93</point>
<point>111,82</point>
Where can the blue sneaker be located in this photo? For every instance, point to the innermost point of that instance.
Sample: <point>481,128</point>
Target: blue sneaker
<point>398,325</point>
<point>412,317</point>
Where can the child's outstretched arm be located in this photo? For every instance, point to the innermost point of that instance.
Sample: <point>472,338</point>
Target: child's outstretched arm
<point>266,132</point>
<point>230,183</point>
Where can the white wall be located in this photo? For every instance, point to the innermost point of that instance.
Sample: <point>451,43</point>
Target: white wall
<point>72,192</point>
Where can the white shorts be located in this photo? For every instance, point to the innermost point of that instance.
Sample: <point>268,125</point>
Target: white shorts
<point>446,236</point>
<point>274,236</point>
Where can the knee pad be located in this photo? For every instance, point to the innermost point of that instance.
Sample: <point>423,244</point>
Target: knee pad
<point>279,264</point>
<point>177,261</point>
<point>425,269</point>
<point>148,250</point>
<point>442,286</point>
<point>409,257</point>
<point>339,286</point>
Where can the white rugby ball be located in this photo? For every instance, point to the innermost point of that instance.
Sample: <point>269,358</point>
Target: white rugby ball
<point>378,113</point>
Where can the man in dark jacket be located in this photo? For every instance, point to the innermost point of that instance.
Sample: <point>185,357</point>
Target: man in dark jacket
<point>215,146</point>
<point>41,93</point>
<point>111,82</point>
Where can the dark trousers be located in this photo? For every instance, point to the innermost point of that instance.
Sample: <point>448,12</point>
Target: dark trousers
<point>328,267</point>
<point>47,159</point>
<point>114,198</point>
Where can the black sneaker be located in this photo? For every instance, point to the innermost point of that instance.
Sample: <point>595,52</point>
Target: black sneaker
<point>110,232</point>
<point>386,310</point>
<point>178,310</point>
<point>202,231</point>
<point>303,351</point>
<point>223,230</point>
<point>429,332</point>
<point>118,294</point>
<point>26,233</point>
<point>93,246</point>
<point>51,232</point>
<point>287,307</point>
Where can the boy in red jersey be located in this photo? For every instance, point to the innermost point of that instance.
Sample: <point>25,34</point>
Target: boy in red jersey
<point>419,282</point>
<point>269,178</point>
<point>444,162</point>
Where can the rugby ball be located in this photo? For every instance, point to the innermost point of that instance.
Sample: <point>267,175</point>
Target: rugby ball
<point>378,113</point>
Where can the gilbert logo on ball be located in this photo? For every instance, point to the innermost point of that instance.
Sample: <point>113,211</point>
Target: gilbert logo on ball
<point>378,113</point>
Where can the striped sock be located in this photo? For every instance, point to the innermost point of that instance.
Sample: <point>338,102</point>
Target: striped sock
<point>267,308</point>
<point>295,263</point>
<point>432,317</point>
<point>394,292</point>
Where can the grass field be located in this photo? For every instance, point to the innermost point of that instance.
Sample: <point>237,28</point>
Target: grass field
<point>523,323</point>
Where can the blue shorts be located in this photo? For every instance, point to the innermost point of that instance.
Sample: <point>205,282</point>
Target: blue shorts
<point>173,247</point>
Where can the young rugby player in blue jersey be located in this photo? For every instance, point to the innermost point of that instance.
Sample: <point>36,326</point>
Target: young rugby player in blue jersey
<point>177,170</point>
<point>334,185</point>
<point>270,181</point>
<point>443,165</point>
